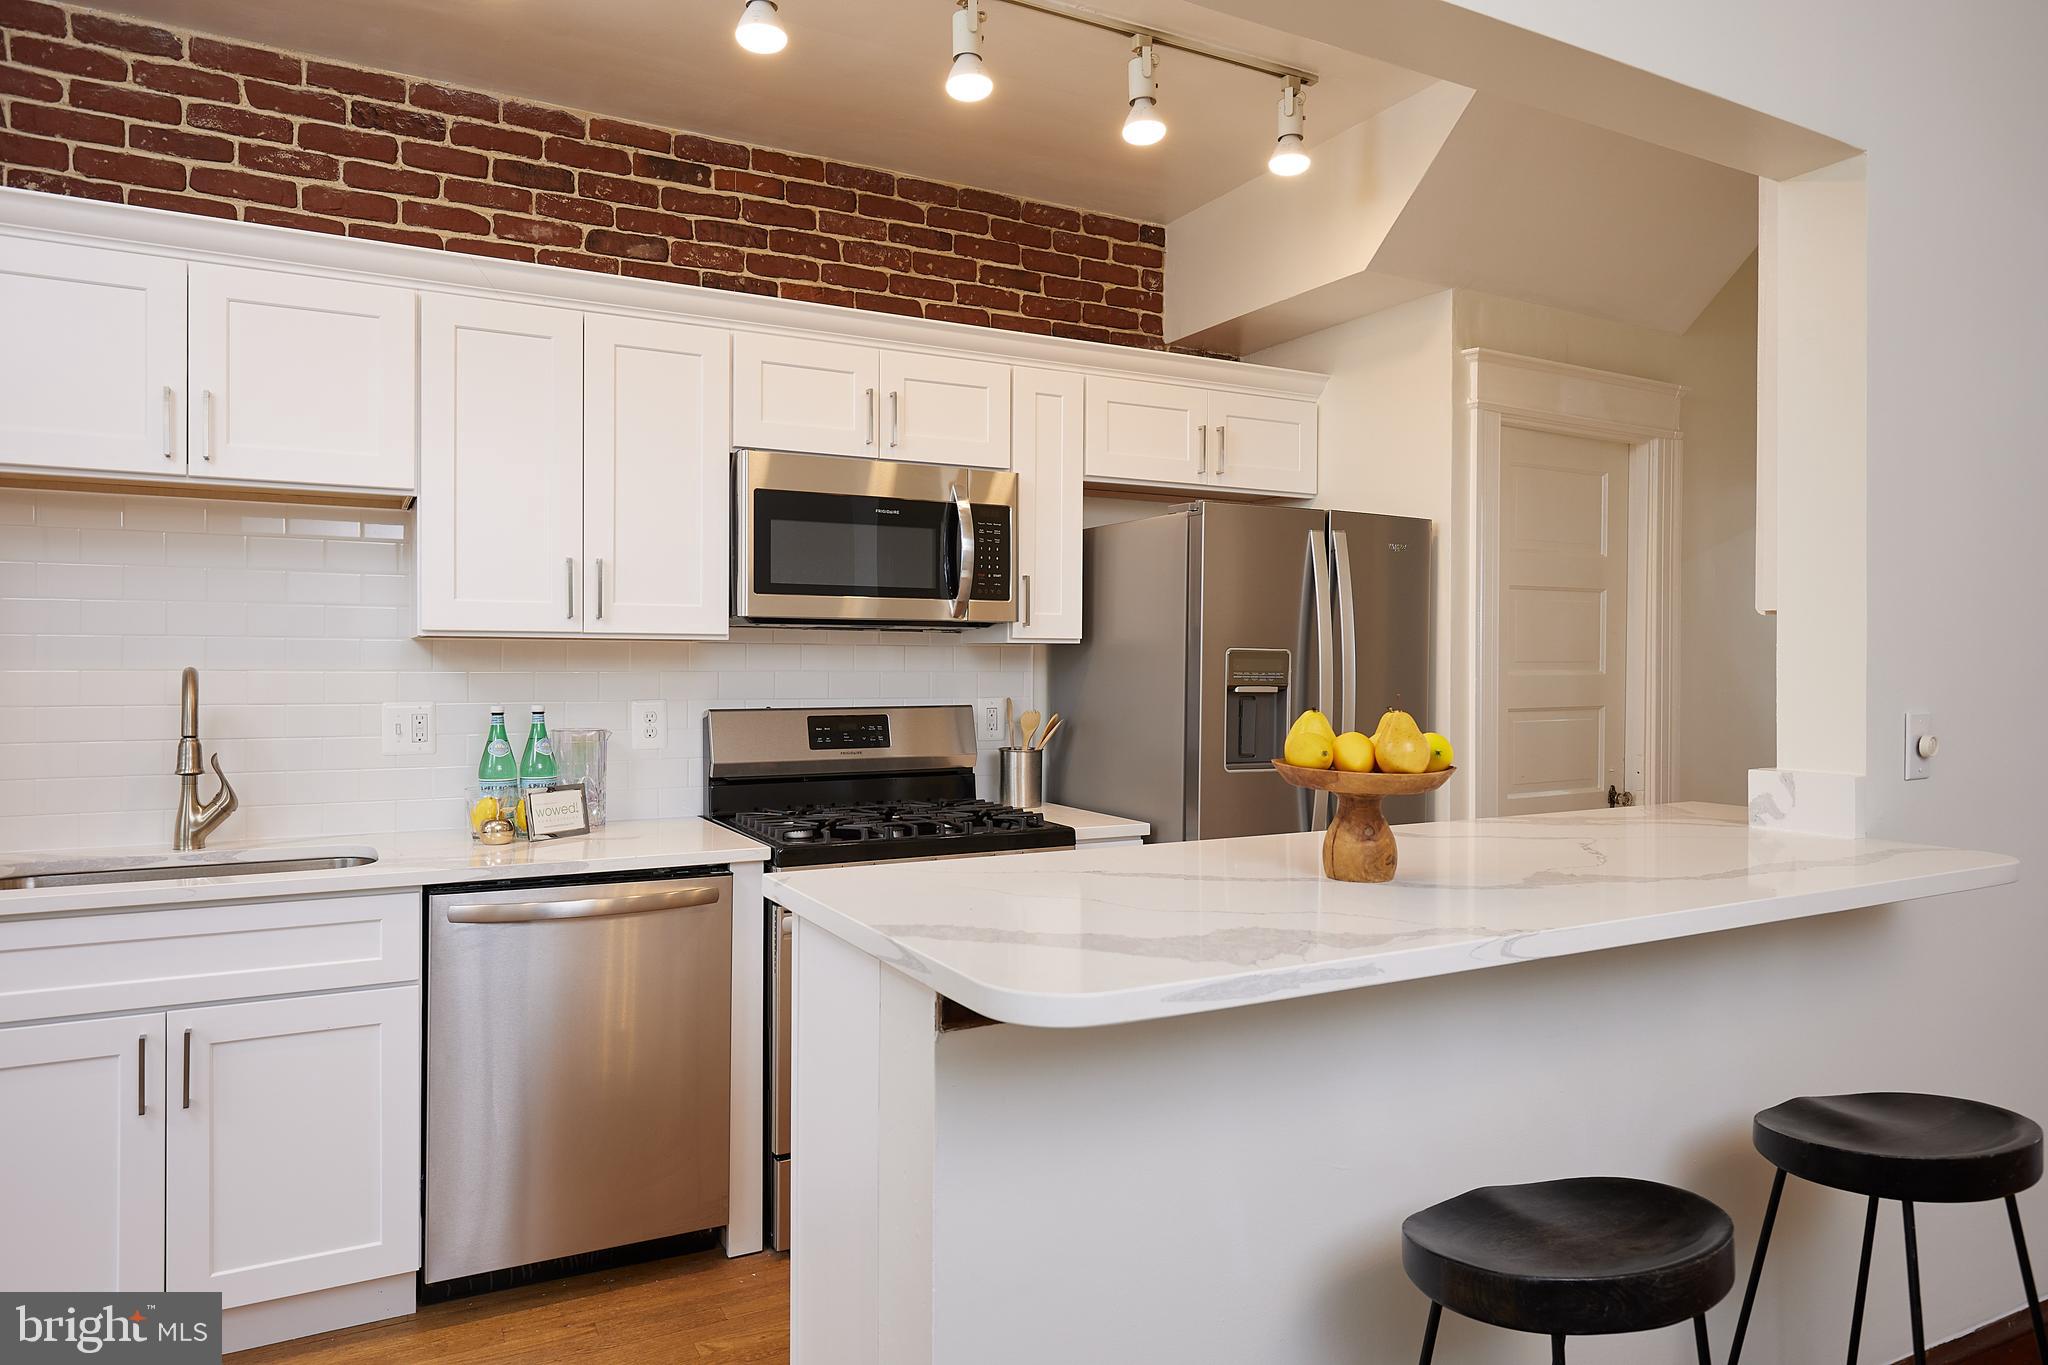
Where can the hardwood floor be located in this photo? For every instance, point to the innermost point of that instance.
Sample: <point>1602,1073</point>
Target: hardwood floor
<point>700,1307</point>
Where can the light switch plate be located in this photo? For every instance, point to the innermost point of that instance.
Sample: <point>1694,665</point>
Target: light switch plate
<point>1919,725</point>
<point>648,721</point>
<point>988,721</point>
<point>407,727</point>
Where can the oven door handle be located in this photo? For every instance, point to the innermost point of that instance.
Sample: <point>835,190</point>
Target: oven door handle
<point>965,511</point>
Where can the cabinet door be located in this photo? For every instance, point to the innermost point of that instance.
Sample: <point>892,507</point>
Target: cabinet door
<point>81,1155</point>
<point>1144,432</point>
<point>1046,426</point>
<point>92,359</point>
<point>1263,445</point>
<point>942,409</point>
<point>789,393</point>
<point>300,380</point>
<point>657,437</point>
<point>501,467</point>
<point>292,1157</point>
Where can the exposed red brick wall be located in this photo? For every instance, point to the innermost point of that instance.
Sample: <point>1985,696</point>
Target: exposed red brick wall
<point>112,109</point>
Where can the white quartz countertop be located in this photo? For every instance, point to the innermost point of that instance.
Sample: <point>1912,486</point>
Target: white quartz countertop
<point>1086,937</point>
<point>1092,826</point>
<point>403,860</point>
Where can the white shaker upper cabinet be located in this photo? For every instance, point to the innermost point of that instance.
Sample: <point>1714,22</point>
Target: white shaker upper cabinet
<point>301,380</point>
<point>1046,426</point>
<point>941,409</point>
<point>657,434</point>
<point>790,393</point>
<point>501,467</point>
<point>92,359</point>
<point>1262,445</point>
<point>82,1155</point>
<point>1145,432</point>
<point>293,1150</point>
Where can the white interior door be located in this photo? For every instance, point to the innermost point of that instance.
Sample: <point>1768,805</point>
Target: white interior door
<point>791,393</point>
<point>501,467</point>
<point>943,409</point>
<point>1261,444</point>
<point>1146,432</point>
<point>301,380</point>
<point>292,1161</point>
<point>657,436</point>
<point>1046,427</point>
<point>92,359</point>
<point>1562,616</point>
<point>81,1155</point>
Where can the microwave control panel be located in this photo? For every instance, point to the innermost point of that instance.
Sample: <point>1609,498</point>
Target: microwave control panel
<point>991,553</point>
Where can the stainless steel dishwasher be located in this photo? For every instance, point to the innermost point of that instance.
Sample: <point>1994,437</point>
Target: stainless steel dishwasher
<point>579,1045</point>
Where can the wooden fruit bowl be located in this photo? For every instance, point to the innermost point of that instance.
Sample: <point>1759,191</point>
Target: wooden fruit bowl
<point>1358,846</point>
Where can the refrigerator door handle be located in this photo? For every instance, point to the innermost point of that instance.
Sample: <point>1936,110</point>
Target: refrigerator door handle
<point>1319,591</point>
<point>1347,611</point>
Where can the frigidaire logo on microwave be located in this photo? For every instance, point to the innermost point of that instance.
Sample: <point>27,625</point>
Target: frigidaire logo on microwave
<point>166,1329</point>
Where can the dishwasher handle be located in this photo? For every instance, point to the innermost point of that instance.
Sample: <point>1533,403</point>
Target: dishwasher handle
<point>592,907</point>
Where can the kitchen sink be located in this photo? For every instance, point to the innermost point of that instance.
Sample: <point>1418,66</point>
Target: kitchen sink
<point>59,874</point>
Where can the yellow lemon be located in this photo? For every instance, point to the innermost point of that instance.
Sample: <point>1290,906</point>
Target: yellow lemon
<point>486,809</point>
<point>1440,755</point>
<point>1353,753</point>
<point>1307,748</point>
<point>519,815</point>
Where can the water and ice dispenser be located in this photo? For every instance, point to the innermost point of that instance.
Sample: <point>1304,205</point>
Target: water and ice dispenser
<point>1256,686</point>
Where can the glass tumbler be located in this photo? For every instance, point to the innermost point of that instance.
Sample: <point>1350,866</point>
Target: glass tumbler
<point>580,757</point>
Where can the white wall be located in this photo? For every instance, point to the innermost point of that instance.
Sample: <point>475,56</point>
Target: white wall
<point>299,620</point>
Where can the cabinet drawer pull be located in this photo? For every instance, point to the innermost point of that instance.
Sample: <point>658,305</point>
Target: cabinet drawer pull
<point>142,1075</point>
<point>187,1104</point>
<point>170,423</point>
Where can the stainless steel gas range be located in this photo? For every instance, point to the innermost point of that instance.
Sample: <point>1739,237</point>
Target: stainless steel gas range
<point>825,787</point>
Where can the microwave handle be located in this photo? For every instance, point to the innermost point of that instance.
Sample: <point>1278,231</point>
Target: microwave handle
<point>965,511</point>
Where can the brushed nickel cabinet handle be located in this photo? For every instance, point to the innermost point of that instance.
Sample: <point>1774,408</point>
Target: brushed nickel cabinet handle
<point>569,571</point>
<point>1025,581</point>
<point>600,590</point>
<point>170,423</point>
<point>142,1075</point>
<point>188,1071</point>
<point>895,419</point>
<point>206,398</point>
<point>1220,430</point>
<point>869,404</point>
<point>1202,449</point>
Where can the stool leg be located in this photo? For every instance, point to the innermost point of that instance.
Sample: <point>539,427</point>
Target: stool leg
<point>1699,1339</point>
<point>1756,1267</point>
<point>1436,1316</point>
<point>1557,1350</point>
<point>1862,1282</point>
<point>1913,1286</point>
<point>2019,1243</point>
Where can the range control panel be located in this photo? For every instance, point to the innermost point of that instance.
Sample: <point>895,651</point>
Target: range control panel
<point>991,553</point>
<point>849,732</point>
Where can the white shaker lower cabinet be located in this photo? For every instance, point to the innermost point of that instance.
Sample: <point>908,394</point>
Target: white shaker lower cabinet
<point>1046,424</point>
<point>657,469</point>
<point>941,409</point>
<point>1142,432</point>
<point>92,359</point>
<point>793,393</point>
<point>1261,444</point>
<point>298,379</point>
<point>82,1155</point>
<point>501,467</point>
<point>292,1152</point>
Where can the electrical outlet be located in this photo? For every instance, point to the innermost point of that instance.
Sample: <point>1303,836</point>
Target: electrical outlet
<point>649,723</point>
<point>988,721</point>
<point>407,727</point>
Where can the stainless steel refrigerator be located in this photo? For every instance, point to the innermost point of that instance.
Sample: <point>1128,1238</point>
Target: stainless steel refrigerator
<point>1209,628</point>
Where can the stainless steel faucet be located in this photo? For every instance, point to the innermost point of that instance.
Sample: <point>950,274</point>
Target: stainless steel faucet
<point>196,821</point>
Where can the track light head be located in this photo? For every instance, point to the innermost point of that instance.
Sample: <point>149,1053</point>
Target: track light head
<point>969,80</point>
<point>1143,126</point>
<point>1290,157</point>
<point>760,28</point>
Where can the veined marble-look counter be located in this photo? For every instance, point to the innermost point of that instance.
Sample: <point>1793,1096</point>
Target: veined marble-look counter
<point>1086,937</point>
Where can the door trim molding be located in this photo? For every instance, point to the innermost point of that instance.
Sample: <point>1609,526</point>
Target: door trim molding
<point>1503,390</point>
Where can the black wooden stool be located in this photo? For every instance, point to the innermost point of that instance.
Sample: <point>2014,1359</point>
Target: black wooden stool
<point>1570,1258</point>
<point>1926,1149</point>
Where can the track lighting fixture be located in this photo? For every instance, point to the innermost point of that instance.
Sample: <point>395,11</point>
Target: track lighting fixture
<point>1289,157</point>
<point>969,80</point>
<point>761,28</point>
<point>1143,126</point>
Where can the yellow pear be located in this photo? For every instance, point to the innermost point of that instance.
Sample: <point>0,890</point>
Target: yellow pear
<point>1440,755</point>
<point>1317,720</point>
<point>1353,753</point>
<point>1399,747</point>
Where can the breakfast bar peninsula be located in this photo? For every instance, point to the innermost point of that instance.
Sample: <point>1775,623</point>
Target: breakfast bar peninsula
<point>1172,1102</point>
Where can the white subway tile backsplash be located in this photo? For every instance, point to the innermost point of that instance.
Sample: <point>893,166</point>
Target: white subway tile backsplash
<point>300,622</point>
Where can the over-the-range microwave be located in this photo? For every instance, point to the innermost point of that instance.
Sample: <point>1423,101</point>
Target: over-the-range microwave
<point>842,540</point>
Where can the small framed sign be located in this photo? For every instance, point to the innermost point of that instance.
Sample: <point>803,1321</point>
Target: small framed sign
<point>557,812</point>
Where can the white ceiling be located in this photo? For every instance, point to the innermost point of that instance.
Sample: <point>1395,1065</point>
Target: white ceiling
<point>861,80</point>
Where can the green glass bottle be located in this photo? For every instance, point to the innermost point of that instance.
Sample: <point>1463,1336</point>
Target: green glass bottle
<point>497,776</point>
<point>537,764</point>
